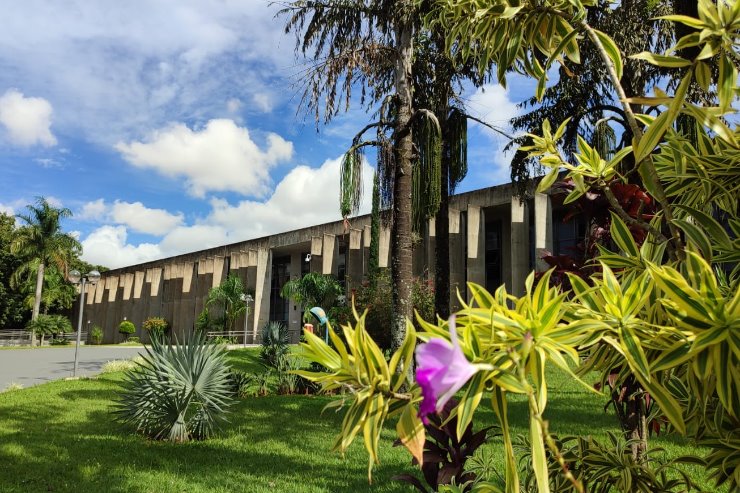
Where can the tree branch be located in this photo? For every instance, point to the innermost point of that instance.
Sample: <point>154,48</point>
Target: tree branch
<point>486,124</point>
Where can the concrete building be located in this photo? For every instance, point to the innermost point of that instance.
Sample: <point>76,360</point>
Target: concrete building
<point>494,238</point>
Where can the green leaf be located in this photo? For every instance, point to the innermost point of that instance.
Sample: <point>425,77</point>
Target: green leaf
<point>622,236</point>
<point>410,431</point>
<point>612,50</point>
<point>547,181</point>
<point>684,19</point>
<point>726,83</point>
<point>667,403</point>
<point>697,237</point>
<point>500,407</point>
<point>662,60</point>
<point>703,75</point>
<point>469,403</point>
<point>634,353</point>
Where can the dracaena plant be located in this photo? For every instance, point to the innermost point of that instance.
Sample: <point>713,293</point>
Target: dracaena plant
<point>664,312</point>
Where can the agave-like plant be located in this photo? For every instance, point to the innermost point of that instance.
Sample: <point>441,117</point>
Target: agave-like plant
<point>178,392</point>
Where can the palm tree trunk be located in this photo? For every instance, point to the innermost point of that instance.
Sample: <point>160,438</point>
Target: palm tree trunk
<point>37,299</point>
<point>402,274</point>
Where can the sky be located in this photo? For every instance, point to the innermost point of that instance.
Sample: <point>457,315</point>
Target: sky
<point>170,126</point>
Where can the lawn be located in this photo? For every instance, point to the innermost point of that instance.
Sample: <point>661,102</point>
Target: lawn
<point>61,437</point>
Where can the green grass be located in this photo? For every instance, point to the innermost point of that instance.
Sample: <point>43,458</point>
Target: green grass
<point>61,437</point>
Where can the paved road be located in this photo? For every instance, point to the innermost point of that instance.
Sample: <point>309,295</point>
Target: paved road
<point>34,366</point>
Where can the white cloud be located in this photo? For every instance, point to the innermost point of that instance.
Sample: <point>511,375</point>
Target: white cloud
<point>305,197</point>
<point>26,119</point>
<point>107,246</point>
<point>491,104</point>
<point>233,105</point>
<point>133,66</point>
<point>219,157</point>
<point>133,215</point>
<point>263,101</point>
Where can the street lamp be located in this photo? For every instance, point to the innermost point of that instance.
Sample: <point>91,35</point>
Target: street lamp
<point>247,299</point>
<point>75,277</point>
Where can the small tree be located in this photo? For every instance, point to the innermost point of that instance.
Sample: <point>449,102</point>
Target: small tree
<point>126,328</point>
<point>228,296</point>
<point>311,290</point>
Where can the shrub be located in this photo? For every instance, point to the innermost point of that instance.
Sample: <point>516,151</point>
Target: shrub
<point>287,381</point>
<point>59,342</point>
<point>274,342</point>
<point>96,335</point>
<point>45,325</point>
<point>179,392</point>
<point>155,325</point>
<point>133,339</point>
<point>126,328</point>
<point>242,383</point>
<point>121,365</point>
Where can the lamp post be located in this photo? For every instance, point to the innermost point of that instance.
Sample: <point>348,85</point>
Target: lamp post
<point>75,277</point>
<point>247,299</point>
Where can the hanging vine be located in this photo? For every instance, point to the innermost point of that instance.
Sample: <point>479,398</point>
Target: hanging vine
<point>426,195</point>
<point>457,146</point>
<point>350,181</point>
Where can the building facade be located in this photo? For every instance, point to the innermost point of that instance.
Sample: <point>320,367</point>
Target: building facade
<point>494,238</point>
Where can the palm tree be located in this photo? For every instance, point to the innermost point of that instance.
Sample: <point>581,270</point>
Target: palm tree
<point>228,295</point>
<point>351,41</point>
<point>311,290</point>
<point>41,242</point>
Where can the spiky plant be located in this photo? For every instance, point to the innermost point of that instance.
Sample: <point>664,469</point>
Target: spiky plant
<point>179,393</point>
<point>274,342</point>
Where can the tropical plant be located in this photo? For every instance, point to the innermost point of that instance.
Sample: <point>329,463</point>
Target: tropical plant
<point>96,335</point>
<point>607,467</point>
<point>49,325</point>
<point>351,43</point>
<point>41,242</point>
<point>126,327</point>
<point>274,343</point>
<point>179,392</point>
<point>241,383</point>
<point>156,326</point>
<point>228,298</point>
<point>287,380</point>
<point>313,289</point>
<point>665,319</point>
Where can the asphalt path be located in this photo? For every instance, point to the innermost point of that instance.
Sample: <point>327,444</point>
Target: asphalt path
<point>34,366</point>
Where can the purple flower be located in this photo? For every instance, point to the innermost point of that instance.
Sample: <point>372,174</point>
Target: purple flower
<point>442,369</point>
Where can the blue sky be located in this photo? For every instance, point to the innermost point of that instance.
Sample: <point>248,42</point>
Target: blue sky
<point>169,126</point>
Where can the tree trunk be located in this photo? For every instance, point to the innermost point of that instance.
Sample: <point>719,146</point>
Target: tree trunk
<point>402,274</point>
<point>442,230</point>
<point>37,299</point>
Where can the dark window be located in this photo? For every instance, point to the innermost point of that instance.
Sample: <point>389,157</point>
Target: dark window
<point>342,264</point>
<point>568,237</point>
<point>493,255</point>
<point>280,275</point>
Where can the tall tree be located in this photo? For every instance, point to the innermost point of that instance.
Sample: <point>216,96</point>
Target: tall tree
<point>12,313</point>
<point>349,42</point>
<point>41,241</point>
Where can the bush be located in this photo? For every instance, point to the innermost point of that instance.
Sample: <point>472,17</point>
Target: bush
<point>242,383</point>
<point>96,335</point>
<point>126,328</point>
<point>274,343</point>
<point>133,339</point>
<point>287,381</point>
<point>179,392</point>
<point>59,342</point>
<point>155,325</point>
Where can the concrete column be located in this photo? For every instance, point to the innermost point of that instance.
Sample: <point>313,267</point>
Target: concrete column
<point>431,248</point>
<point>457,260</point>
<point>384,247</point>
<point>519,246</point>
<point>262,291</point>
<point>187,295</point>
<point>329,259</point>
<point>355,239</point>
<point>542,229</point>
<point>476,236</point>
<point>218,271</point>
<point>295,322</point>
<point>316,244</point>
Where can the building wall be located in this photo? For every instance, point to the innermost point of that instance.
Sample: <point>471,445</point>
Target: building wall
<point>176,288</point>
